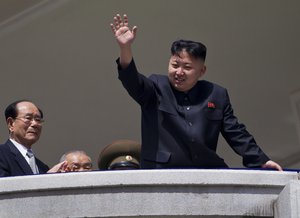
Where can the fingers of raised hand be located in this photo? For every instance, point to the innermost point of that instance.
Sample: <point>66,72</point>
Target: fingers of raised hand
<point>134,30</point>
<point>125,20</point>
<point>113,28</point>
<point>119,22</point>
<point>62,167</point>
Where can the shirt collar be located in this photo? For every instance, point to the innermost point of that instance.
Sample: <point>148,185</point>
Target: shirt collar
<point>187,98</point>
<point>21,148</point>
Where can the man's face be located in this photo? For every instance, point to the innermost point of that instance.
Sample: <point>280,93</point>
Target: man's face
<point>27,126</point>
<point>184,71</point>
<point>79,162</point>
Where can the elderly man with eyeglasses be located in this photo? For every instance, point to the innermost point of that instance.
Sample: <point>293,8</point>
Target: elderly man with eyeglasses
<point>24,121</point>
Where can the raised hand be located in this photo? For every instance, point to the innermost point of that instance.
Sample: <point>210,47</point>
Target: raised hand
<point>122,32</point>
<point>60,168</point>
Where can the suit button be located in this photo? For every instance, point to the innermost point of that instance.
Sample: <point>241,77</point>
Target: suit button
<point>190,124</point>
<point>188,108</point>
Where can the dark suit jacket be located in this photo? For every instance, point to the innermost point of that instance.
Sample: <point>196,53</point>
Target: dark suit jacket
<point>12,163</point>
<point>181,130</point>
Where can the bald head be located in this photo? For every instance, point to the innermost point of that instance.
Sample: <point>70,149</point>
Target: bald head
<point>77,161</point>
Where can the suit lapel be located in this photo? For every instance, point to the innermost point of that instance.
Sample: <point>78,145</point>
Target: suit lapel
<point>20,160</point>
<point>43,168</point>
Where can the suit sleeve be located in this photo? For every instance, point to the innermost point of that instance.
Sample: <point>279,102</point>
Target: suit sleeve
<point>139,87</point>
<point>4,171</point>
<point>43,168</point>
<point>241,141</point>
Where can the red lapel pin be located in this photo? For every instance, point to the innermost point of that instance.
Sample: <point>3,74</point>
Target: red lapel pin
<point>211,105</point>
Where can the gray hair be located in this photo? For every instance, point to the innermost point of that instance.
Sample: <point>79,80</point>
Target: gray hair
<point>64,156</point>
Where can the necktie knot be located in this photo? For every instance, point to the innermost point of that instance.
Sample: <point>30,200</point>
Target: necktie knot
<point>29,153</point>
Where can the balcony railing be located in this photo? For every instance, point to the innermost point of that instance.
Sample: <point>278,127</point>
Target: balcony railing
<point>153,193</point>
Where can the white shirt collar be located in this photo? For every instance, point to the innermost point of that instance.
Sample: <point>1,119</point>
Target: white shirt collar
<point>21,148</point>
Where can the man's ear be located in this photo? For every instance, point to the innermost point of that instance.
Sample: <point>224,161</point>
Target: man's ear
<point>203,71</point>
<point>10,124</point>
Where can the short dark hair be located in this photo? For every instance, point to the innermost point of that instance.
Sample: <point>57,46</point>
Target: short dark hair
<point>12,111</point>
<point>195,49</point>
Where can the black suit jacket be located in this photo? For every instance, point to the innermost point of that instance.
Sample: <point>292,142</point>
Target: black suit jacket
<point>181,130</point>
<point>12,162</point>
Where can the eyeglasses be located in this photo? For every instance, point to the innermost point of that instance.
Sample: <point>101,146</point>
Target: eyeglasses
<point>29,119</point>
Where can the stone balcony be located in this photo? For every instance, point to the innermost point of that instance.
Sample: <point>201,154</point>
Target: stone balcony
<point>153,193</point>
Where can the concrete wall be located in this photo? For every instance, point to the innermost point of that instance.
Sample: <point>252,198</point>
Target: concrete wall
<point>150,193</point>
